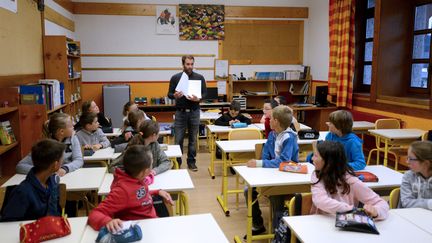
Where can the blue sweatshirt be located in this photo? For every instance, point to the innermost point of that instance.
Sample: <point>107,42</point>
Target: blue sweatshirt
<point>279,148</point>
<point>353,149</point>
<point>30,200</point>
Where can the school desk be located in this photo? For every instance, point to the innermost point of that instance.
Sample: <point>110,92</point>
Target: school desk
<point>104,155</point>
<point>394,229</point>
<point>232,146</point>
<point>214,133</point>
<point>362,127</point>
<point>116,132</point>
<point>420,217</point>
<point>172,181</point>
<point>271,181</point>
<point>173,152</point>
<point>396,137</point>
<point>10,231</point>
<point>165,131</point>
<point>191,229</point>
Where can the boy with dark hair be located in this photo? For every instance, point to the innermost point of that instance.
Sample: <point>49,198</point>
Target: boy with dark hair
<point>130,198</point>
<point>232,116</point>
<point>91,136</point>
<point>281,100</point>
<point>38,195</point>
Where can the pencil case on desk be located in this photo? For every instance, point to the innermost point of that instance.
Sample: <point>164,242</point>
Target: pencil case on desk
<point>293,167</point>
<point>239,125</point>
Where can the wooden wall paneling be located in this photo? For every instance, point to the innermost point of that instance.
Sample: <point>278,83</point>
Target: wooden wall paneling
<point>21,41</point>
<point>266,12</point>
<point>143,55</point>
<point>263,42</point>
<point>16,80</point>
<point>53,16</point>
<point>31,119</point>
<point>115,9</point>
<point>66,4</point>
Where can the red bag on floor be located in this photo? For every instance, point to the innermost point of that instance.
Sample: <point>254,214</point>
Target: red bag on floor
<point>46,228</point>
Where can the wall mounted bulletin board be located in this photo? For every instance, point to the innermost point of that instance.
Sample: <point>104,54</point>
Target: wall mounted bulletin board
<point>21,40</point>
<point>254,42</point>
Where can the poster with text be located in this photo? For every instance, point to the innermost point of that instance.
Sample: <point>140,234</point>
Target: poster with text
<point>166,21</point>
<point>10,5</point>
<point>201,22</point>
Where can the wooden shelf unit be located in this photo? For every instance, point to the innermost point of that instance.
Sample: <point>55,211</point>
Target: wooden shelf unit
<point>10,153</point>
<point>273,87</point>
<point>56,61</point>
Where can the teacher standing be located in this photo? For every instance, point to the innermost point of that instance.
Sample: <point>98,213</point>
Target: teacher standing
<point>187,111</point>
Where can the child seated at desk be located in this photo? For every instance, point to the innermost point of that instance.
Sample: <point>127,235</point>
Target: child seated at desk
<point>38,195</point>
<point>128,107</point>
<point>60,128</point>
<point>91,136</point>
<point>416,188</point>
<point>269,105</point>
<point>232,116</point>
<point>130,198</point>
<point>340,126</point>
<point>281,146</point>
<point>148,135</point>
<point>130,129</point>
<point>335,188</point>
<point>92,107</point>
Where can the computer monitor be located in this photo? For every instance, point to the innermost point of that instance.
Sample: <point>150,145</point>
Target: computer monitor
<point>212,94</point>
<point>321,95</point>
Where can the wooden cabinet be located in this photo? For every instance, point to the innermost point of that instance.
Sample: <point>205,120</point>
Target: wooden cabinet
<point>26,122</point>
<point>258,90</point>
<point>62,61</point>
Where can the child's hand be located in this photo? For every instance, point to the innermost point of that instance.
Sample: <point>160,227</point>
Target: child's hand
<point>231,122</point>
<point>96,147</point>
<point>371,210</point>
<point>149,179</point>
<point>166,196</point>
<point>87,146</point>
<point>114,225</point>
<point>61,172</point>
<point>251,163</point>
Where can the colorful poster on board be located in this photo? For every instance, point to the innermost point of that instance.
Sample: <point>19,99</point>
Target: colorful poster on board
<point>10,5</point>
<point>166,20</point>
<point>201,22</point>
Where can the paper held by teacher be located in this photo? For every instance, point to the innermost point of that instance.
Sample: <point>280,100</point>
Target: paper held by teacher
<point>189,87</point>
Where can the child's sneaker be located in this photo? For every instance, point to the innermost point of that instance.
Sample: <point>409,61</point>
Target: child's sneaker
<point>256,231</point>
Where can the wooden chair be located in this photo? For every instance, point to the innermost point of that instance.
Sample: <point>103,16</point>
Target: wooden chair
<point>258,150</point>
<point>300,204</point>
<point>2,197</point>
<point>394,198</point>
<point>396,151</point>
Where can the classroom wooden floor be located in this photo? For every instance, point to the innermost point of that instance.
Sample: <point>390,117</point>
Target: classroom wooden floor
<point>203,198</point>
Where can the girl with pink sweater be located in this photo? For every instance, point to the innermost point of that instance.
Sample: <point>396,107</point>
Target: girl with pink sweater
<point>335,188</point>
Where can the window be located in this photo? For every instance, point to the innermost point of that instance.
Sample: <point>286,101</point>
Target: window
<point>421,58</point>
<point>364,44</point>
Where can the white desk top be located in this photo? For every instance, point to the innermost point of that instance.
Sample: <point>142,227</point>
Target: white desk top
<point>232,146</point>
<point>101,154</point>
<point>171,181</point>
<point>173,151</point>
<point>394,229</point>
<point>418,216</point>
<point>116,132</point>
<point>261,177</point>
<point>387,177</point>
<point>398,133</point>
<point>191,229</point>
<point>83,179</point>
<point>10,231</point>
<point>362,125</point>
<point>204,116</point>
<point>226,129</point>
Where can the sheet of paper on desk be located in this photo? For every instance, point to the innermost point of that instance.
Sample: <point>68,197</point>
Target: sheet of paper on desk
<point>183,83</point>
<point>194,88</point>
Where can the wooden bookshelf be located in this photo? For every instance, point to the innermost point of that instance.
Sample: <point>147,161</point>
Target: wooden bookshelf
<point>6,110</point>
<point>5,148</point>
<point>62,61</point>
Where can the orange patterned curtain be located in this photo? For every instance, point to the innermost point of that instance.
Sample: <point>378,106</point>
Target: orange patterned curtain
<point>342,51</point>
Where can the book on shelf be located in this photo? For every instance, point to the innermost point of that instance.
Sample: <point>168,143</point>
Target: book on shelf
<point>6,133</point>
<point>269,75</point>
